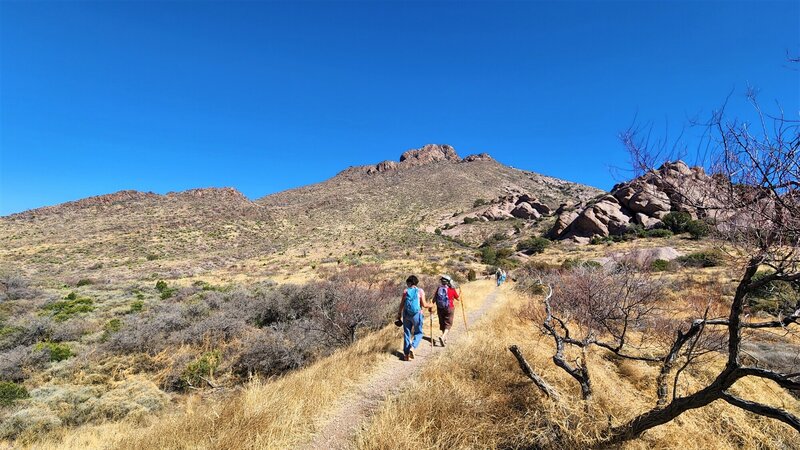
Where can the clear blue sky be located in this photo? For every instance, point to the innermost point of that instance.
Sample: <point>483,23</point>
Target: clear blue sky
<point>99,97</point>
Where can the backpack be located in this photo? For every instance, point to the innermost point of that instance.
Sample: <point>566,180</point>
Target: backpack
<point>442,299</point>
<point>412,301</point>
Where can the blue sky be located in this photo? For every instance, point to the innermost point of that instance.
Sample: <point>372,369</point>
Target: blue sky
<point>99,97</point>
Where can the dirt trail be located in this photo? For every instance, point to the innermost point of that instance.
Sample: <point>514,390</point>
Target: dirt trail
<point>338,427</point>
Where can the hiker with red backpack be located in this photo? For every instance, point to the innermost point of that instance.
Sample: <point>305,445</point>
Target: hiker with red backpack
<point>410,312</point>
<point>445,306</point>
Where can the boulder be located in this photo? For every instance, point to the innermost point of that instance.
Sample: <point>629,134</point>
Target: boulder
<point>497,212</point>
<point>645,220</point>
<point>541,208</point>
<point>601,219</point>
<point>478,157</point>
<point>525,211</point>
<point>428,154</point>
<point>563,221</point>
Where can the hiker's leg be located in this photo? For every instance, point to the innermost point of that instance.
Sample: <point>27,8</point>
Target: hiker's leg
<point>419,323</point>
<point>408,324</point>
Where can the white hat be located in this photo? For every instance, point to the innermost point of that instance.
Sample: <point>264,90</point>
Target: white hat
<point>447,277</point>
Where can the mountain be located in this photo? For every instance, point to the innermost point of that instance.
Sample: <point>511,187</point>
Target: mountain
<point>378,211</point>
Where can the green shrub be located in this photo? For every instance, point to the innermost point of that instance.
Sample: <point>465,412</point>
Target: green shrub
<point>488,255</point>
<point>660,265</point>
<point>152,257</point>
<point>676,221</point>
<point>478,202</point>
<point>84,282</point>
<point>57,351</point>
<point>469,220</point>
<point>698,229</point>
<point>11,392</point>
<point>658,233</point>
<point>70,306</point>
<point>164,289</point>
<point>533,245</point>
<point>471,275</point>
<point>775,297</point>
<point>136,306</point>
<point>709,258</point>
<point>597,240</point>
<point>438,231</point>
<point>113,325</point>
<point>571,263</point>
<point>202,367</point>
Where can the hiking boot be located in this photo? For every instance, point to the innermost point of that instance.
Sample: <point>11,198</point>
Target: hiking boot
<point>405,357</point>
<point>410,355</point>
<point>441,341</point>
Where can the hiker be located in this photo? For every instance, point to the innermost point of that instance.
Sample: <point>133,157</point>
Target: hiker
<point>502,276</point>
<point>497,274</point>
<point>411,313</point>
<point>445,306</point>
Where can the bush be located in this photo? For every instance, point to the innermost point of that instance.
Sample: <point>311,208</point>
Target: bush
<point>702,259</point>
<point>270,352</point>
<point>478,202</point>
<point>775,297</point>
<point>57,351</point>
<point>136,306</point>
<point>84,282</point>
<point>676,221</point>
<point>659,265</point>
<point>30,421</point>
<point>17,364</point>
<point>469,220</point>
<point>471,275</point>
<point>658,233</point>
<point>11,392</point>
<point>164,289</point>
<point>202,367</point>
<point>572,263</point>
<point>488,255</point>
<point>533,245</point>
<point>698,229</point>
<point>70,306</point>
<point>438,231</point>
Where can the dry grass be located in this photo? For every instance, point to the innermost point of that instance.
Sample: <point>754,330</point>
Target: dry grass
<point>476,397</point>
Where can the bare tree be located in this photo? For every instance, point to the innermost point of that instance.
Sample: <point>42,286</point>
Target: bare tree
<point>754,205</point>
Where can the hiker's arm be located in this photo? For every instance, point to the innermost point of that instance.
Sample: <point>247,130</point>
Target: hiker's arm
<point>423,301</point>
<point>402,304</point>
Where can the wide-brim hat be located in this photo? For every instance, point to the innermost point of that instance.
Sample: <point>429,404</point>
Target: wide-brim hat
<point>446,277</point>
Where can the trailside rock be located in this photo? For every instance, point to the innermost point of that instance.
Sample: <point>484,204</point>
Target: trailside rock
<point>600,219</point>
<point>565,218</point>
<point>478,157</point>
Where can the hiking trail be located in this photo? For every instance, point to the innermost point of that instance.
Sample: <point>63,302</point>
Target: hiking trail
<point>337,428</point>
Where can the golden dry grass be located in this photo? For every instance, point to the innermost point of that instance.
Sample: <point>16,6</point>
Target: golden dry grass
<point>476,397</point>
<point>277,413</point>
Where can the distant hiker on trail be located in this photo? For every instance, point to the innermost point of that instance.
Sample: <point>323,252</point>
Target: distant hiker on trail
<point>445,306</point>
<point>411,313</point>
<point>502,276</point>
<point>498,275</point>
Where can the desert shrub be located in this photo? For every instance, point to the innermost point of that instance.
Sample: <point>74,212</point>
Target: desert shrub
<point>478,202</point>
<point>676,221</point>
<point>56,351</point>
<point>635,229</point>
<point>112,326</point>
<point>572,263</point>
<point>597,240</point>
<point>469,220</point>
<point>135,397</point>
<point>202,367</point>
<point>25,332</point>
<point>152,257</point>
<point>165,290</point>
<point>17,364</point>
<point>13,287</point>
<point>775,297</point>
<point>708,258</point>
<point>214,330</point>
<point>136,306</point>
<point>503,253</point>
<point>658,233</point>
<point>270,352</point>
<point>11,392</point>
<point>69,307</point>
<point>438,231</point>
<point>71,330</point>
<point>84,282</point>
<point>698,229</point>
<point>533,245</point>
<point>659,265</point>
<point>147,333</point>
<point>489,255</point>
<point>471,275</point>
<point>29,423</point>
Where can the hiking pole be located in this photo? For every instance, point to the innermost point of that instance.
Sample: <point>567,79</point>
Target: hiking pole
<point>431,314</point>
<point>463,314</point>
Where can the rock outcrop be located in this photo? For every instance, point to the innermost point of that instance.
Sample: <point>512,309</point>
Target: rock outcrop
<point>428,154</point>
<point>642,201</point>
<point>514,205</point>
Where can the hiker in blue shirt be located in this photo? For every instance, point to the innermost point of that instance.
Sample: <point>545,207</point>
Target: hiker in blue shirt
<point>411,313</point>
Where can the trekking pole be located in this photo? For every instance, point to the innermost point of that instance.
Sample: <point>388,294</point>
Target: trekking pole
<point>463,314</point>
<point>431,314</point>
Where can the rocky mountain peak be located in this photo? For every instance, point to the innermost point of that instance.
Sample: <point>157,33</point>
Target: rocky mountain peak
<point>428,154</point>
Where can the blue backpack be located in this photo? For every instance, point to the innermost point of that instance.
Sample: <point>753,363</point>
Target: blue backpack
<point>442,299</point>
<point>412,301</point>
